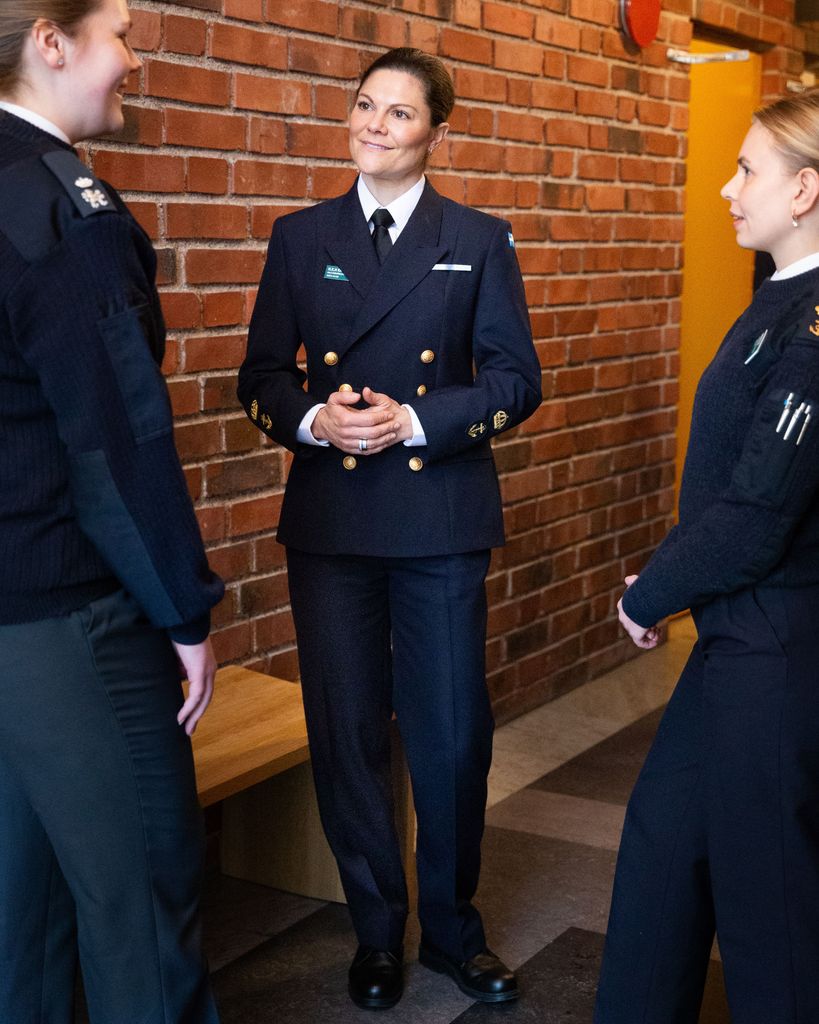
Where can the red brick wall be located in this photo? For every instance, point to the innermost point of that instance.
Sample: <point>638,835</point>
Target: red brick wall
<point>578,138</point>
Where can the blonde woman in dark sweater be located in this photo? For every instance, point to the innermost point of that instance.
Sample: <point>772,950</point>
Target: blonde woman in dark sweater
<point>103,577</point>
<point>722,829</point>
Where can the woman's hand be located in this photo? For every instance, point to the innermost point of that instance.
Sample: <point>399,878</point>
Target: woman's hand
<point>199,665</point>
<point>381,425</point>
<point>642,637</point>
<point>402,422</point>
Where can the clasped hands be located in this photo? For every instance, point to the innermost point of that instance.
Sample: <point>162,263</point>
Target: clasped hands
<point>382,424</point>
<point>644,638</point>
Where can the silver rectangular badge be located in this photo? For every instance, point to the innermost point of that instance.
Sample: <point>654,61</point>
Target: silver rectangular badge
<point>452,266</point>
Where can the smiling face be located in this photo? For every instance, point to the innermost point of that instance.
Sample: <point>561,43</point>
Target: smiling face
<point>391,134</point>
<point>762,194</point>
<point>97,62</point>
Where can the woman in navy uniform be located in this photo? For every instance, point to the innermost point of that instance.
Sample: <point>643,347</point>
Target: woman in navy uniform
<point>103,577</point>
<point>722,829</point>
<point>412,315</point>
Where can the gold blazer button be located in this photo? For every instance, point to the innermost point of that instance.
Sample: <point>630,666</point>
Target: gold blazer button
<point>416,464</point>
<point>427,355</point>
<point>344,387</point>
<point>421,389</point>
<point>349,462</point>
<point>330,358</point>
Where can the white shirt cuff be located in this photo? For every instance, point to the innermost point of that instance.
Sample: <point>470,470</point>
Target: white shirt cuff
<point>304,433</point>
<point>418,435</point>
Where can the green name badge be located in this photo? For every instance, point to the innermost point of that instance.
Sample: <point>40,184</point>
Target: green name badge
<point>334,273</point>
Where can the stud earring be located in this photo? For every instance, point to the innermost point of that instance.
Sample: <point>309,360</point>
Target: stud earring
<point>60,62</point>
<point>794,221</point>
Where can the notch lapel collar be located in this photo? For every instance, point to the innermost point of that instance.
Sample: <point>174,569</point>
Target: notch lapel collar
<point>413,256</point>
<point>349,244</point>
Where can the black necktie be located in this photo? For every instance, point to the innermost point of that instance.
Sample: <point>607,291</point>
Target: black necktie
<point>381,236</point>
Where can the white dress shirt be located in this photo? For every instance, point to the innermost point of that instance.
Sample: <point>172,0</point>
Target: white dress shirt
<point>799,267</point>
<point>401,210</point>
<point>36,119</point>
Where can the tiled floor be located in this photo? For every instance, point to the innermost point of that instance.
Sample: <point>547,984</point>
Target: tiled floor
<point>558,789</point>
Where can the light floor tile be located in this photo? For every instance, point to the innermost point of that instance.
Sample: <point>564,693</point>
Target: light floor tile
<point>573,819</point>
<point>542,740</point>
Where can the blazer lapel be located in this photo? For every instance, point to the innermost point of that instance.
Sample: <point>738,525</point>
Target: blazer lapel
<point>413,256</point>
<point>349,244</point>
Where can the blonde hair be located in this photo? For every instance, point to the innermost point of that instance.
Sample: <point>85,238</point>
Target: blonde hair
<point>17,18</point>
<point>794,124</point>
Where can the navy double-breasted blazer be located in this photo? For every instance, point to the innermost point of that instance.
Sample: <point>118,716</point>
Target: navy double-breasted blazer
<point>441,325</point>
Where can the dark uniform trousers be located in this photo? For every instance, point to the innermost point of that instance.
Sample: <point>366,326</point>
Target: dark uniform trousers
<point>722,829</point>
<point>377,635</point>
<point>107,850</point>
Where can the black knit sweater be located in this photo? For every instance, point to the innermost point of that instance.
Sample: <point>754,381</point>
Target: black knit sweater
<point>92,495</point>
<point>749,502</point>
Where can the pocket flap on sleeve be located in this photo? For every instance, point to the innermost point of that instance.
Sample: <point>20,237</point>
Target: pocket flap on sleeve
<point>141,384</point>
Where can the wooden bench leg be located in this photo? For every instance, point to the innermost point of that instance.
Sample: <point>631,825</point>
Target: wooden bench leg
<point>271,833</point>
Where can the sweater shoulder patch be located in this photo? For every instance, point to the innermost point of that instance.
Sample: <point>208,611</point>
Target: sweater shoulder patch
<point>35,209</point>
<point>86,192</point>
<point>807,323</point>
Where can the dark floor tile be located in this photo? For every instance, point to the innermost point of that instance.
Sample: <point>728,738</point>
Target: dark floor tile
<point>533,888</point>
<point>238,915</point>
<point>558,986</point>
<point>292,977</point>
<point>300,977</point>
<point>608,770</point>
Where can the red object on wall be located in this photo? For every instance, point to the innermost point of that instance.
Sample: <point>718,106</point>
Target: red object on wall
<point>640,19</point>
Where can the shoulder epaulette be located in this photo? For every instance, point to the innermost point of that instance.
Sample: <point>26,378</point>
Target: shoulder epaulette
<point>31,193</point>
<point>86,192</point>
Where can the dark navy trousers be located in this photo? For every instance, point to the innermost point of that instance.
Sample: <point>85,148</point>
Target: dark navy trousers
<point>378,635</point>
<point>101,842</point>
<point>722,829</point>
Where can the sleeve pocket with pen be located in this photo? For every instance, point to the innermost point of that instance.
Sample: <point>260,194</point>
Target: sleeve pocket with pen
<point>779,432</point>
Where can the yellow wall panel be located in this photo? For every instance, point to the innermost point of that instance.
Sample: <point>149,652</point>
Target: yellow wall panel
<point>718,275</point>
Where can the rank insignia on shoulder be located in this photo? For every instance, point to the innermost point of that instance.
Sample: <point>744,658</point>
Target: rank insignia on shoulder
<point>500,419</point>
<point>814,327</point>
<point>87,194</point>
<point>476,429</point>
<point>266,421</point>
<point>95,197</point>
<point>254,410</point>
<point>757,345</point>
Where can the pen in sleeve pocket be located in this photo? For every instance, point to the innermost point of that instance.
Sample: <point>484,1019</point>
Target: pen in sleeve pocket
<point>805,424</point>
<point>792,423</point>
<point>788,403</point>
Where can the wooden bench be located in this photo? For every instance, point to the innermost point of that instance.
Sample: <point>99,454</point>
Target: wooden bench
<point>251,753</point>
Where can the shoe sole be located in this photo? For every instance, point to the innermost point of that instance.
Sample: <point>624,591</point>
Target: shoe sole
<point>441,966</point>
<point>374,1003</point>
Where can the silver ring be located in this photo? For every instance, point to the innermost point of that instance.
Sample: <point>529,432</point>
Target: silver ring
<point>362,444</point>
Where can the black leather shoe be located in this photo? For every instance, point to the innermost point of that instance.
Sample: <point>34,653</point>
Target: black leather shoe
<point>376,978</point>
<point>484,977</point>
